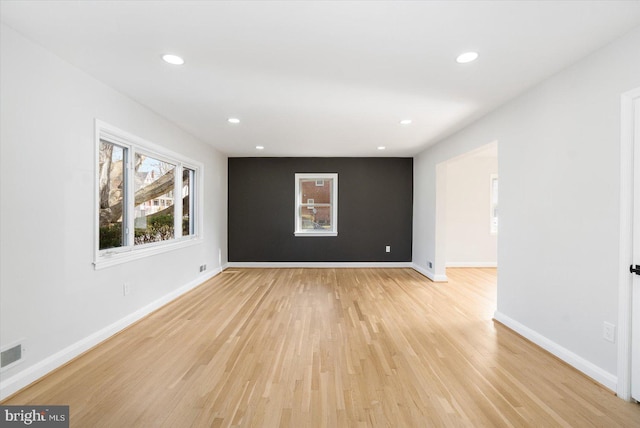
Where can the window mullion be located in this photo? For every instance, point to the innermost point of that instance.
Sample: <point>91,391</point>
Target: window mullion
<point>129,204</point>
<point>193,208</point>
<point>177,202</point>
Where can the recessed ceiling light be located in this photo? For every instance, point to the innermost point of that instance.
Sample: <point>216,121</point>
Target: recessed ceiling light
<point>381,147</point>
<point>173,59</point>
<point>467,57</point>
<point>405,121</point>
<point>259,147</point>
<point>233,120</point>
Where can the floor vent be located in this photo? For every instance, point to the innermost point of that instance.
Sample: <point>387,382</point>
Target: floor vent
<point>11,356</point>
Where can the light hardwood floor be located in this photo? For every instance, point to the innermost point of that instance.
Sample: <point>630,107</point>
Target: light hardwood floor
<point>328,348</point>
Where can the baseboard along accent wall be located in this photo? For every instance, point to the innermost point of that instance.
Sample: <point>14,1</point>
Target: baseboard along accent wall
<point>334,265</point>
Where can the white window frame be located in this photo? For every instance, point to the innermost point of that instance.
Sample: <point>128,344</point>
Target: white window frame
<point>300,205</point>
<point>493,225</point>
<point>133,144</point>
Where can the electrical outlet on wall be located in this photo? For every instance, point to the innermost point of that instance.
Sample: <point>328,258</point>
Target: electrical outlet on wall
<point>430,264</point>
<point>126,288</point>
<point>609,332</point>
<point>387,248</point>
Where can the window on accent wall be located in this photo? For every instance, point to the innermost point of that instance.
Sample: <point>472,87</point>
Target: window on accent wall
<point>316,204</point>
<point>494,204</point>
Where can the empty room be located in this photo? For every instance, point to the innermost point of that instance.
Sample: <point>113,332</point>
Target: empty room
<point>319,213</point>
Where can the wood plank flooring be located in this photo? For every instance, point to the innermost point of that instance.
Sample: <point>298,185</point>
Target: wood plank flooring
<point>328,348</point>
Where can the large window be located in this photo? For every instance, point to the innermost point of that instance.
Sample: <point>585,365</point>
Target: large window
<point>147,197</point>
<point>316,205</point>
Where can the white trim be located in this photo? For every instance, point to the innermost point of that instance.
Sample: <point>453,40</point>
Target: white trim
<point>598,374</point>
<point>439,257</point>
<point>472,264</point>
<point>625,280</point>
<point>125,138</point>
<point>492,230</point>
<point>429,274</point>
<point>133,145</point>
<point>33,373</point>
<point>299,204</point>
<point>314,233</point>
<point>276,265</point>
<point>108,259</point>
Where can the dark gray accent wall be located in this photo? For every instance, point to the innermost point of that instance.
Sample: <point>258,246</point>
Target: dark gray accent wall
<point>375,209</point>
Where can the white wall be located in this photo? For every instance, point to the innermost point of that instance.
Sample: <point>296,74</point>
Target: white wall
<point>469,241</point>
<point>51,296</point>
<point>559,146</point>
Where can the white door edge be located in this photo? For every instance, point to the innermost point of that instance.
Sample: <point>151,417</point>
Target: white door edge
<point>625,280</point>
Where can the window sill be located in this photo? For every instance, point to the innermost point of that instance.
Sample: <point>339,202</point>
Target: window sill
<point>105,259</point>
<point>316,234</point>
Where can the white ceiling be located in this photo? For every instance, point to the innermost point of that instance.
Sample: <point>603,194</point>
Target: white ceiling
<point>321,78</point>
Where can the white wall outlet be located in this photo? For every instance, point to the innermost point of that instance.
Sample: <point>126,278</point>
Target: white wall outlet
<point>387,248</point>
<point>609,332</point>
<point>126,289</point>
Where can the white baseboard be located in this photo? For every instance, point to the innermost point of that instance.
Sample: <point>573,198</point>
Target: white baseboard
<point>472,264</point>
<point>433,277</point>
<point>588,368</point>
<point>320,264</point>
<point>32,373</point>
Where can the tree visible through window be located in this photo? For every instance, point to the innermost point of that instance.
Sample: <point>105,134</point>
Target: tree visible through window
<point>154,181</point>
<point>112,196</point>
<point>144,198</point>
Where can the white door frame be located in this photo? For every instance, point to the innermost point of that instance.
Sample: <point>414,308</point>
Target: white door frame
<point>440,253</point>
<point>625,280</point>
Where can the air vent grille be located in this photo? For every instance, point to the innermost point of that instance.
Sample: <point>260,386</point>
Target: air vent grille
<point>10,356</point>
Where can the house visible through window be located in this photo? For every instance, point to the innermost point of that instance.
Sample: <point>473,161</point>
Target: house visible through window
<point>154,179</point>
<point>146,196</point>
<point>316,204</point>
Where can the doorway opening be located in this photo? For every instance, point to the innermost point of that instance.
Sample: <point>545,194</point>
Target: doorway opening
<point>467,210</point>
